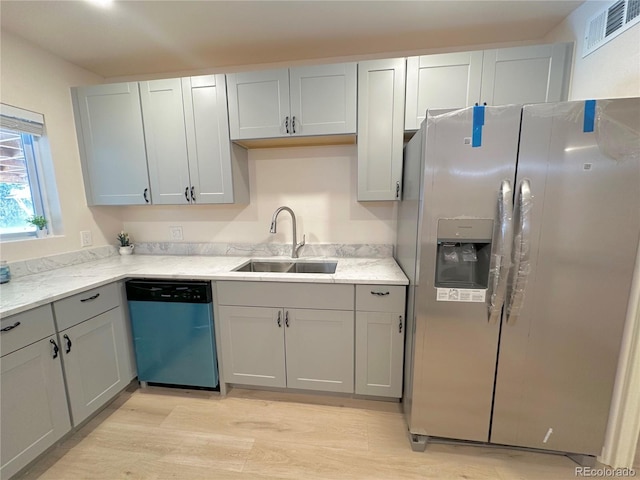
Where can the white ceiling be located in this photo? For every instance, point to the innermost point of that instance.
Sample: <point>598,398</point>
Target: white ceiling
<point>153,37</point>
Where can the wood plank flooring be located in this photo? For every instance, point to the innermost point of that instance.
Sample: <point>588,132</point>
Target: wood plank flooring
<point>158,433</point>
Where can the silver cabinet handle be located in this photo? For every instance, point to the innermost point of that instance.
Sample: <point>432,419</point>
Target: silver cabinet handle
<point>379,294</point>
<point>500,252</point>
<point>92,297</point>
<point>10,327</point>
<point>521,250</point>
<point>286,319</point>
<point>279,319</point>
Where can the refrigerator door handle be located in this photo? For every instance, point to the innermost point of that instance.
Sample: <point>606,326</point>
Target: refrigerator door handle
<point>501,252</point>
<point>521,249</point>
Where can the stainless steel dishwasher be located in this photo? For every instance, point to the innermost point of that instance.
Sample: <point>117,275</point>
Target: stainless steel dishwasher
<point>173,334</point>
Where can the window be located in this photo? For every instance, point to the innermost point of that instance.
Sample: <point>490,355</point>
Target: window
<point>21,186</point>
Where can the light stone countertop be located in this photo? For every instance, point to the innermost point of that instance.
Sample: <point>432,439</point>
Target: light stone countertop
<point>37,289</point>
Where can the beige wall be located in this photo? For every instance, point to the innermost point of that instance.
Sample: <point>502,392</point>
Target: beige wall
<point>33,79</point>
<point>611,71</point>
<point>318,183</point>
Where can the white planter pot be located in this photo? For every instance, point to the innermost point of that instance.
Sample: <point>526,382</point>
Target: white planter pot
<point>128,250</point>
<point>41,233</point>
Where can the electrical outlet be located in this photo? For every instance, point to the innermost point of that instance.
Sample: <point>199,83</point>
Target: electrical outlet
<point>175,233</point>
<point>85,238</point>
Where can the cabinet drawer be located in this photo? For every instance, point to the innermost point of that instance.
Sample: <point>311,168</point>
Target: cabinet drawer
<point>78,308</point>
<point>292,295</point>
<point>380,298</point>
<point>30,327</point>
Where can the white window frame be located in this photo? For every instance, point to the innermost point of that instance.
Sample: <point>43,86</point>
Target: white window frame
<point>30,125</point>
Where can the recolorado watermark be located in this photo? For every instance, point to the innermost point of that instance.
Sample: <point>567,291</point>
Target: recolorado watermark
<point>605,472</point>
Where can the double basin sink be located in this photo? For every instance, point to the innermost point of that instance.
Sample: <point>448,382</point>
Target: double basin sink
<point>284,266</point>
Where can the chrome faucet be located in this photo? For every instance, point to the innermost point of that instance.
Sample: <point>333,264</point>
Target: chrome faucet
<point>294,246</point>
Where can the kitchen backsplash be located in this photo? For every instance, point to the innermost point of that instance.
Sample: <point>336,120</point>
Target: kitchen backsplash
<point>43,264</point>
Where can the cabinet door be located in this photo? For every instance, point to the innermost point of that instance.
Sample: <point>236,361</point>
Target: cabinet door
<point>381,87</point>
<point>166,140</point>
<point>205,107</point>
<point>449,80</point>
<point>253,345</point>
<point>258,104</point>
<point>379,353</point>
<point>323,99</point>
<point>532,74</point>
<point>111,138</point>
<point>319,345</point>
<point>33,413</point>
<point>94,358</point>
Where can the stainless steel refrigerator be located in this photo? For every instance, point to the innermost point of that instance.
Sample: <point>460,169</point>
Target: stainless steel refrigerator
<point>518,230</point>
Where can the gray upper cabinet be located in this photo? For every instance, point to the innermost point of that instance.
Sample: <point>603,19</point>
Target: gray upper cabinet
<point>112,146</point>
<point>534,74</point>
<point>530,74</point>
<point>301,101</point>
<point>449,80</point>
<point>381,99</point>
<point>165,137</point>
<point>258,104</point>
<point>187,137</point>
<point>218,169</point>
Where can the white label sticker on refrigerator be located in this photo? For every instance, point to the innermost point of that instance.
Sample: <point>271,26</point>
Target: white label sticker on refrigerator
<point>461,295</point>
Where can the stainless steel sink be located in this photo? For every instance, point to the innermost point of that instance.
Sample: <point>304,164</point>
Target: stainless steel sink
<point>287,267</point>
<point>314,267</point>
<point>261,266</point>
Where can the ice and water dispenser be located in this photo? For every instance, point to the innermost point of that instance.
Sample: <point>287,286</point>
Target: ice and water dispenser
<point>464,253</point>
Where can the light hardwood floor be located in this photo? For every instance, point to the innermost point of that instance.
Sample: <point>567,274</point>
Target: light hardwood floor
<point>159,433</point>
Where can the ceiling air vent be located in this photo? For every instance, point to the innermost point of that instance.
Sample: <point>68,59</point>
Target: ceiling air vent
<point>609,23</point>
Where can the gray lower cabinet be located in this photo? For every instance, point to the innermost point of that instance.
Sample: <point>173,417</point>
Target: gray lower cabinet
<point>380,330</point>
<point>307,345</point>
<point>33,405</point>
<point>253,346</point>
<point>94,362</point>
<point>95,346</point>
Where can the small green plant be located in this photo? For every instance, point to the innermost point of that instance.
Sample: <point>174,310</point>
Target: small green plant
<point>123,238</point>
<point>38,221</point>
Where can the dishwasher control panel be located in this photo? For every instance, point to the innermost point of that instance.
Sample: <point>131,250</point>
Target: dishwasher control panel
<point>169,291</point>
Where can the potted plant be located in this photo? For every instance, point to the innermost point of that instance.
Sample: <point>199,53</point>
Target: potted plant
<point>40,223</point>
<point>126,248</point>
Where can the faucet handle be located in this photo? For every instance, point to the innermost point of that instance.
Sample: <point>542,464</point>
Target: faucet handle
<point>300,245</point>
